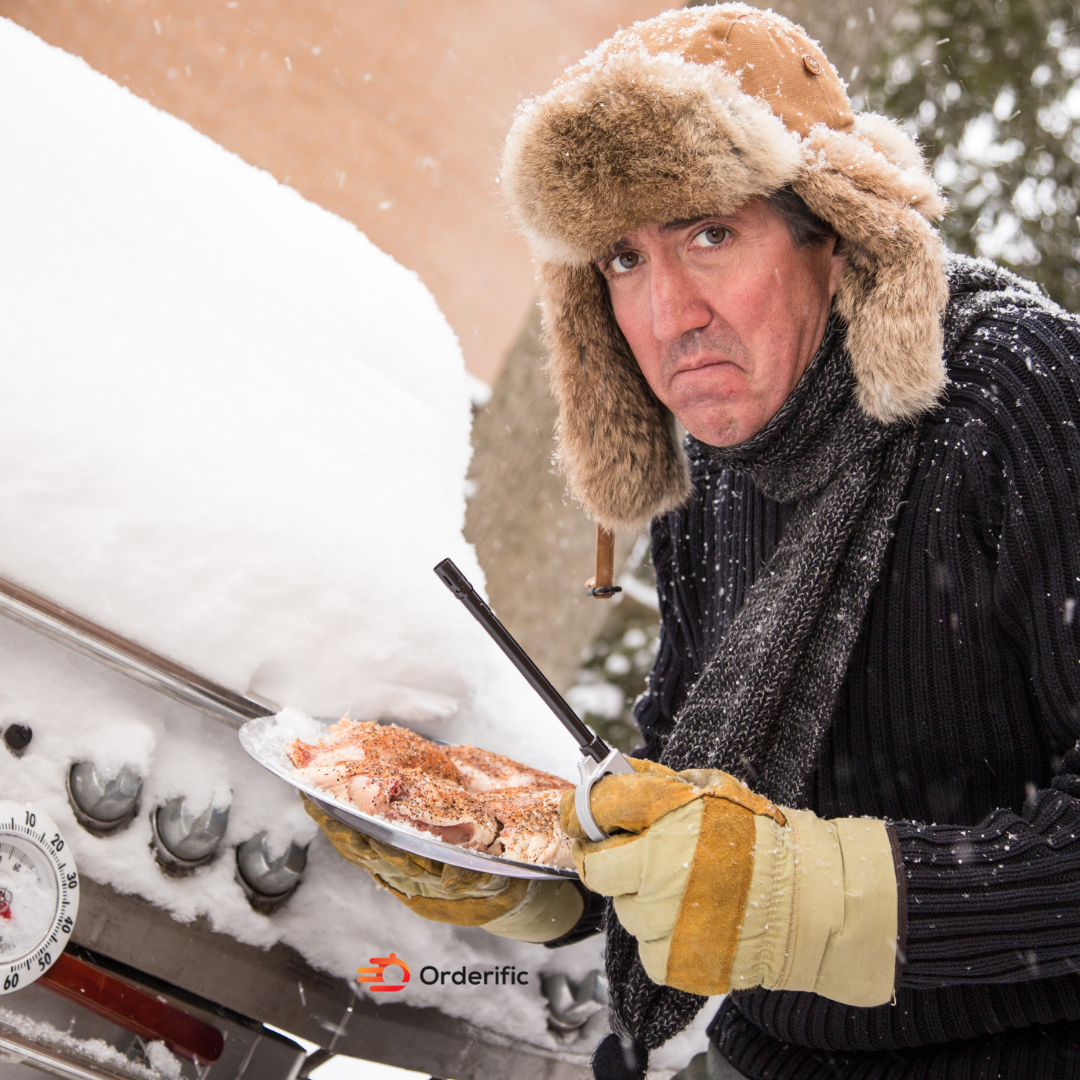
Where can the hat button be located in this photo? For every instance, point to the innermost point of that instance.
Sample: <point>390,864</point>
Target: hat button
<point>811,64</point>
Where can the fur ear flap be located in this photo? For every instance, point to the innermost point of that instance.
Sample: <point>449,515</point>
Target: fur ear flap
<point>891,140</point>
<point>878,158</point>
<point>616,442</point>
<point>893,291</point>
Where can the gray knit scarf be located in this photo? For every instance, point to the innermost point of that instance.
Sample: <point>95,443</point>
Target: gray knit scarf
<point>763,703</point>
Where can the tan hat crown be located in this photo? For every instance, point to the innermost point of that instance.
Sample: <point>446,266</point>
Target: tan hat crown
<point>689,114</point>
<point>771,59</point>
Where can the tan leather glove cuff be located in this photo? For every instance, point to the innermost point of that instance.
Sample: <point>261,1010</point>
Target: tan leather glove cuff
<point>548,910</point>
<point>434,886</point>
<point>464,911</point>
<point>822,911</point>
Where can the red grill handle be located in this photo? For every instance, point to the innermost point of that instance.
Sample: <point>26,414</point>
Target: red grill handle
<point>134,1009</point>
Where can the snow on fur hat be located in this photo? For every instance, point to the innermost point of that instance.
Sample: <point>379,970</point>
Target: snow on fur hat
<point>689,114</point>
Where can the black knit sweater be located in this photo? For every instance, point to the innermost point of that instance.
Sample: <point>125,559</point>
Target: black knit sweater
<point>957,721</point>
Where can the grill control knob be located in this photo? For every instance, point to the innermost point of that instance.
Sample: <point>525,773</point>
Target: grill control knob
<point>267,881</point>
<point>185,839</point>
<point>103,805</point>
<point>17,737</point>
<point>571,1005</point>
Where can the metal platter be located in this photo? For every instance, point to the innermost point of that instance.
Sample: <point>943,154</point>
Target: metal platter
<point>264,744</point>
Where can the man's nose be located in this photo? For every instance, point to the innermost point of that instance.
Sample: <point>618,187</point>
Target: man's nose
<point>678,306</point>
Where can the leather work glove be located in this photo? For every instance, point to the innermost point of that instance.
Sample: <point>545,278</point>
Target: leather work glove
<point>526,910</point>
<point>725,891</point>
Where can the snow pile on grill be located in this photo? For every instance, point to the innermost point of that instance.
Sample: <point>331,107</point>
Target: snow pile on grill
<point>230,427</point>
<point>235,431</point>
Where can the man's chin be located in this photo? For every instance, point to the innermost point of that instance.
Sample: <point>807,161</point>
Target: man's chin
<point>720,429</point>
<point>713,424</point>
<point>714,435</point>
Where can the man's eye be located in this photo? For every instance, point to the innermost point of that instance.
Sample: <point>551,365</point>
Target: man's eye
<point>711,237</point>
<point>624,261</point>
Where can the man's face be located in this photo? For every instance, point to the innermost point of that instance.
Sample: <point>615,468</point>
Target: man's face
<point>723,315</point>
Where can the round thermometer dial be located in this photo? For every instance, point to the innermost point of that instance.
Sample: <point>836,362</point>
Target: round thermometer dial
<point>39,895</point>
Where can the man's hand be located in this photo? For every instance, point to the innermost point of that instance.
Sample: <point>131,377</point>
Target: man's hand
<point>725,891</point>
<point>510,907</point>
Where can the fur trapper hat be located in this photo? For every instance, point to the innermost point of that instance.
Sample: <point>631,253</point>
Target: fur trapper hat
<point>689,114</point>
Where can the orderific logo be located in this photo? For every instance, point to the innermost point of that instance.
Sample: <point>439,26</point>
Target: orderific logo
<point>374,977</point>
<point>376,980</point>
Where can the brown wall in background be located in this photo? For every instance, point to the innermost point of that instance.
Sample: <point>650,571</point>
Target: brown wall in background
<point>390,113</point>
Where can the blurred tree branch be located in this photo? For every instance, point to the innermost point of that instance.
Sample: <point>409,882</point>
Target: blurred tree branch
<point>992,89</point>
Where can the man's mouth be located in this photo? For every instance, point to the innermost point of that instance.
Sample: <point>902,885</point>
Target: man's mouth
<point>701,352</point>
<point>702,363</point>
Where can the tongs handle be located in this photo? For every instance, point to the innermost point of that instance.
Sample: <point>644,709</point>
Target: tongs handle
<point>597,758</point>
<point>591,745</point>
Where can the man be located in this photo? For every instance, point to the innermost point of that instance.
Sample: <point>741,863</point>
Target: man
<point>858,805</point>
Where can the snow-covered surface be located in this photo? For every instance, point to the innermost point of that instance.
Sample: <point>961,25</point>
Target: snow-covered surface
<point>230,427</point>
<point>162,1059</point>
<point>163,1064</point>
<point>235,431</point>
<point>338,919</point>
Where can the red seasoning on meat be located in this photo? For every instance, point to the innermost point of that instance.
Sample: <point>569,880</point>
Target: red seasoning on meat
<point>481,770</point>
<point>463,795</point>
<point>529,826</point>
<point>387,744</point>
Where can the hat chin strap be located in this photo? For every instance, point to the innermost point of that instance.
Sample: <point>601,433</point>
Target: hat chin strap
<point>601,586</point>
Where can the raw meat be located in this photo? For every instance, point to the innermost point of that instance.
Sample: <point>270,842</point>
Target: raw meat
<point>393,773</point>
<point>465,796</point>
<point>447,810</point>
<point>391,746</point>
<point>482,770</point>
<point>530,829</point>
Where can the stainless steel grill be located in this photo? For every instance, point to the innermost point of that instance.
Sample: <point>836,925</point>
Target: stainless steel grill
<point>209,977</point>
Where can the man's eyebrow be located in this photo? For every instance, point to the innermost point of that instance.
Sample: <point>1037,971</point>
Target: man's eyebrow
<point>668,227</point>
<point>675,226</point>
<point>620,245</point>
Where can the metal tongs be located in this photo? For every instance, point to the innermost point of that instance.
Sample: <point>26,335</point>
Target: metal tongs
<point>598,759</point>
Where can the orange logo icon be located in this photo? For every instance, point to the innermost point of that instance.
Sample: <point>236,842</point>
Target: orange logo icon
<point>374,977</point>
